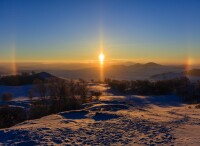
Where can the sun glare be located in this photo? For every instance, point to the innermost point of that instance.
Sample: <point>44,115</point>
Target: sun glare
<point>101,57</point>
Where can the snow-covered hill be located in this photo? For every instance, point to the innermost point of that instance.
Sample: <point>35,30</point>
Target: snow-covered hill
<point>16,91</point>
<point>115,120</point>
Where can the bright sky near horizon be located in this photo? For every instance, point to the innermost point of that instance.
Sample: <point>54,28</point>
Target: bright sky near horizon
<point>164,31</point>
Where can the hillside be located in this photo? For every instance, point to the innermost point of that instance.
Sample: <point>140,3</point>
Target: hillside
<point>24,79</point>
<point>115,120</point>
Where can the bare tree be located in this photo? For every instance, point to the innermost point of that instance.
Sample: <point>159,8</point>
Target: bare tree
<point>40,88</point>
<point>30,94</point>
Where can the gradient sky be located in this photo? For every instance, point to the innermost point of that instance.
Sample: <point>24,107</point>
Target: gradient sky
<point>165,31</point>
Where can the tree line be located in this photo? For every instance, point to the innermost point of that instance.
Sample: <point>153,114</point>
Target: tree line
<point>182,87</point>
<point>53,96</point>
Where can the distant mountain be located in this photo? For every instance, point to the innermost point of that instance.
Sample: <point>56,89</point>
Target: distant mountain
<point>152,64</point>
<point>43,76</point>
<point>135,71</point>
<point>149,64</point>
<point>129,71</point>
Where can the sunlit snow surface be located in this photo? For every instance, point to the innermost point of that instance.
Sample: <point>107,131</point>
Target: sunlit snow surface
<point>115,120</point>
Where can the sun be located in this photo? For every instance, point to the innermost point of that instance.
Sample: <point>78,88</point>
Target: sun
<point>101,57</point>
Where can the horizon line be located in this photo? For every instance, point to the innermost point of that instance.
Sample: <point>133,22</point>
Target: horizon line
<point>117,61</point>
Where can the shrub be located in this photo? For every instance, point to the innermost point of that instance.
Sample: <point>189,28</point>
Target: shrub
<point>10,116</point>
<point>39,109</point>
<point>180,86</point>
<point>95,95</point>
<point>60,95</point>
<point>56,96</point>
<point>30,94</point>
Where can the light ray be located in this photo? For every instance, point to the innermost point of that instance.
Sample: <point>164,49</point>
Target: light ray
<point>101,49</point>
<point>13,59</point>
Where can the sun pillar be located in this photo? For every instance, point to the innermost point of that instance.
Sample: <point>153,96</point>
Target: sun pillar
<point>101,55</point>
<point>101,61</point>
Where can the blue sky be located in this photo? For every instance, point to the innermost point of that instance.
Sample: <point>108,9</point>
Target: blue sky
<point>71,30</point>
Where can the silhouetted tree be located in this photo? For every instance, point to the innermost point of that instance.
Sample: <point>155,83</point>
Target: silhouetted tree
<point>30,94</point>
<point>40,88</point>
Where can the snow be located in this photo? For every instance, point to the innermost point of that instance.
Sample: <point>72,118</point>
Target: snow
<point>114,120</point>
<point>188,135</point>
<point>16,91</point>
<point>20,95</point>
